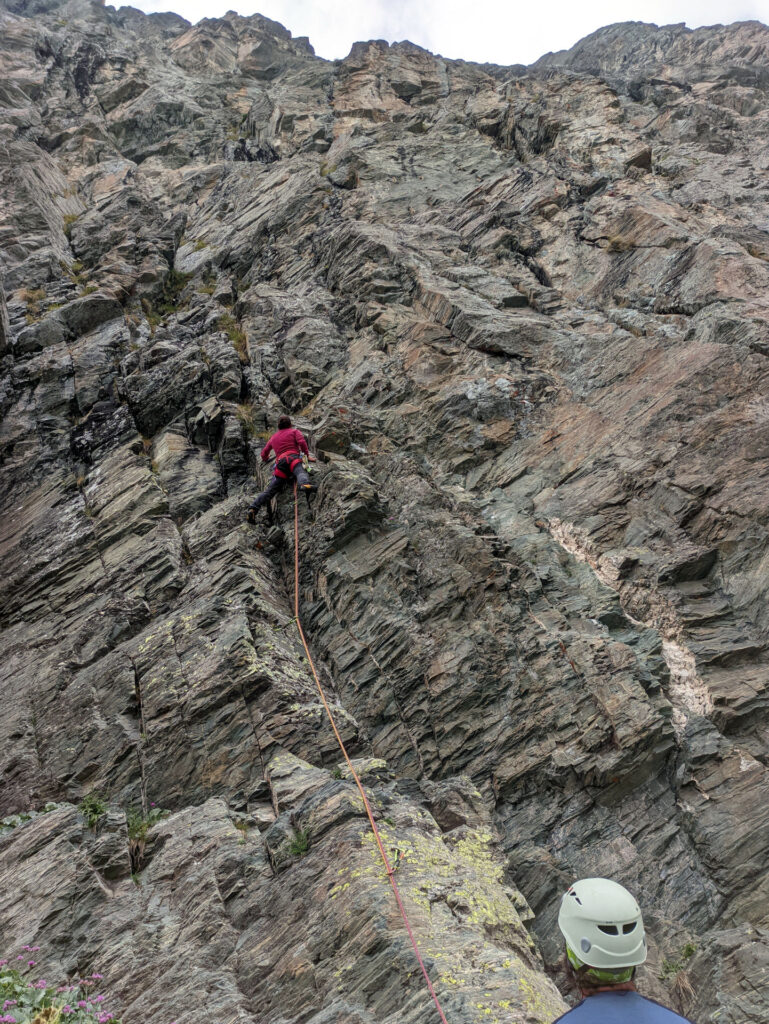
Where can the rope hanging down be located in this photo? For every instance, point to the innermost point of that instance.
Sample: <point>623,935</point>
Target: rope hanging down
<point>354,774</point>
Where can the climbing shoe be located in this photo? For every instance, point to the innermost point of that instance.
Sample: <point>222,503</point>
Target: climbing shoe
<point>308,488</point>
<point>251,515</point>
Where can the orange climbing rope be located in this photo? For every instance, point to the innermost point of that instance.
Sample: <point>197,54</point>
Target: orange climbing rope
<point>340,741</point>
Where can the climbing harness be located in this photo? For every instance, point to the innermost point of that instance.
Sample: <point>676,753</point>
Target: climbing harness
<point>284,466</point>
<point>340,741</point>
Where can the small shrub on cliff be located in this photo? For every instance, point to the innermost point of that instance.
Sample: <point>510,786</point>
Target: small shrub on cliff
<point>300,843</point>
<point>27,998</point>
<point>138,825</point>
<point>92,807</point>
<point>671,967</point>
<point>173,286</point>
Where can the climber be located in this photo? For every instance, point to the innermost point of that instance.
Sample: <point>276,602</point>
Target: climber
<point>605,942</point>
<point>287,444</point>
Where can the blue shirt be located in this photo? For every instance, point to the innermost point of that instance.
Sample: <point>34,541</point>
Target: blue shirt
<point>620,1008</point>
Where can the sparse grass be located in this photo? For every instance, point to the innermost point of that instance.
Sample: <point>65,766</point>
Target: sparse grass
<point>32,297</point>
<point>87,289</point>
<point>618,244</point>
<point>672,966</point>
<point>236,334</point>
<point>69,220</point>
<point>336,773</point>
<point>153,318</point>
<point>173,286</point>
<point>245,414</point>
<point>200,244</point>
<point>300,843</point>
<point>92,806</point>
<point>208,285</point>
<point>390,822</point>
<point>75,271</point>
<point>169,300</point>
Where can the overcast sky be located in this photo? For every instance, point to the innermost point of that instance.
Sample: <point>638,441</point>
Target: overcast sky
<point>499,31</point>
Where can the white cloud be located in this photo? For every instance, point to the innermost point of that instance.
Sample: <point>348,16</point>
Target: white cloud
<point>499,31</point>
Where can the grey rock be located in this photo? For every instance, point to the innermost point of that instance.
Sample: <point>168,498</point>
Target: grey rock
<point>521,315</point>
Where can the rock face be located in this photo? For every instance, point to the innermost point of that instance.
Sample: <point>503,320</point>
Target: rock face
<point>521,313</point>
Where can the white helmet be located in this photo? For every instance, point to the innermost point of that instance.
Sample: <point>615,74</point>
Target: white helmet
<point>602,924</point>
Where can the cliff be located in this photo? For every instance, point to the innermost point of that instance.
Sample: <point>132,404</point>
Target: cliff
<point>521,314</point>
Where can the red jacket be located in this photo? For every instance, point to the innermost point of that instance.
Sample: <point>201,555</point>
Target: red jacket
<point>287,440</point>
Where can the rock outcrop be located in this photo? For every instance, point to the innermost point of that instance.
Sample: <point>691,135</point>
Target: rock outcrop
<point>521,313</point>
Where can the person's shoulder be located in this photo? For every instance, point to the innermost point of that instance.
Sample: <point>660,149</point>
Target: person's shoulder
<point>575,1014</point>
<point>594,1009</point>
<point>664,1014</point>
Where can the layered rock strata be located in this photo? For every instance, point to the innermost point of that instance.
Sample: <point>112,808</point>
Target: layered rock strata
<point>521,313</point>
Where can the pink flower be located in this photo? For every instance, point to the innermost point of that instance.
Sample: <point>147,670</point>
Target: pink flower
<point>31,963</point>
<point>97,977</point>
<point>99,999</point>
<point>66,1009</point>
<point>3,963</point>
<point>82,1003</point>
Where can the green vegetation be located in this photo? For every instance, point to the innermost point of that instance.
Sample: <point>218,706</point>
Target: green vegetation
<point>75,271</point>
<point>139,824</point>
<point>173,286</point>
<point>671,967</point>
<point>31,1000</point>
<point>69,220</point>
<point>168,301</point>
<point>300,843</point>
<point>236,334</point>
<point>92,806</point>
<point>336,773</point>
<point>208,286</point>
<point>32,297</point>
<point>153,318</point>
<point>200,244</point>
